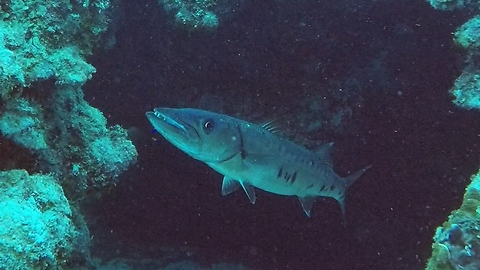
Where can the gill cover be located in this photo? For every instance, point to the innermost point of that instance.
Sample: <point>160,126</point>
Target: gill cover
<point>205,136</point>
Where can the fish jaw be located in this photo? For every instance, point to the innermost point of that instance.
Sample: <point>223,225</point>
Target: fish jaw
<point>176,129</point>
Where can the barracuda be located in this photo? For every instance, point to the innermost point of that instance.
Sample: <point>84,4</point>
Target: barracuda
<point>252,156</point>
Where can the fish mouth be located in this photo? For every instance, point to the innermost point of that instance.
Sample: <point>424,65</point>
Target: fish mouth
<point>171,121</point>
<point>170,125</point>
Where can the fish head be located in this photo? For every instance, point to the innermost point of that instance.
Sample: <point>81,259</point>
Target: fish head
<point>203,135</point>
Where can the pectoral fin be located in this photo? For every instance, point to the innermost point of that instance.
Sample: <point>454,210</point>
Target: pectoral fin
<point>230,185</point>
<point>250,190</point>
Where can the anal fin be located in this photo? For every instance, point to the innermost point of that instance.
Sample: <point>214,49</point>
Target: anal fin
<point>307,203</point>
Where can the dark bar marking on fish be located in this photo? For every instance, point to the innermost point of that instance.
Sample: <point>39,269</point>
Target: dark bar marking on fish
<point>310,186</point>
<point>322,188</point>
<point>280,172</point>
<point>242,145</point>
<point>294,177</point>
<point>332,187</point>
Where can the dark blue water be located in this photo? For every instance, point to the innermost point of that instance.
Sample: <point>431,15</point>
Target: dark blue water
<point>396,62</point>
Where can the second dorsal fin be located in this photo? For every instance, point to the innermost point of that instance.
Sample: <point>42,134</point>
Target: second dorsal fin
<point>272,126</point>
<point>324,153</point>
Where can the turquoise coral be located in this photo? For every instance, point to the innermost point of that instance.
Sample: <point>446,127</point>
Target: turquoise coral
<point>36,227</point>
<point>41,40</point>
<point>468,35</point>
<point>21,123</point>
<point>43,50</point>
<point>456,243</point>
<point>193,14</point>
<point>466,89</point>
<point>449,4</point>
<point>94,154</point>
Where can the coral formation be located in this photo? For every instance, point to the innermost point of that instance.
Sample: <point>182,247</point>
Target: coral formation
<point>42,102</point>
<point>200,14</point>
<point>90,154</point>
<point>41,40</point>
<point>48,128</point>
<point>192,14</point>
<point>36,227</point>
<point>466,88</point>
<point>468,35</point>
<point>449,4</point>
<point>456,244</point>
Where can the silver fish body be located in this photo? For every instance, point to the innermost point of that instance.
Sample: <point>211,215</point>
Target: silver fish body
<point>250,156</point>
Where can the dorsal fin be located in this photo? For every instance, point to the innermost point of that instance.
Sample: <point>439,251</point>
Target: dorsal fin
<point>272,126</point>
<point>323,153</point>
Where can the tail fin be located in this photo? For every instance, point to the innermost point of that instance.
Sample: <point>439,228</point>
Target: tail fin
<point>349,180</point>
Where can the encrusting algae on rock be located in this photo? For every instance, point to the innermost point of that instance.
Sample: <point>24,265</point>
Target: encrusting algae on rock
<point>457,242</point>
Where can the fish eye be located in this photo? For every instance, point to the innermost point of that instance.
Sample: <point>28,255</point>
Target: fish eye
<point>208,126</point>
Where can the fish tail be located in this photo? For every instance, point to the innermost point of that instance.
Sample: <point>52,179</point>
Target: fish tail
<point>349,180</point>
